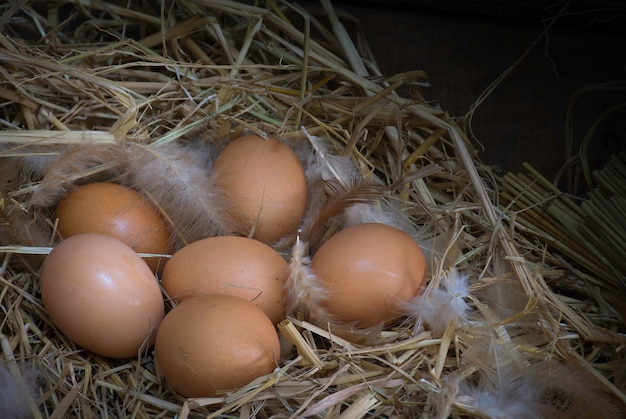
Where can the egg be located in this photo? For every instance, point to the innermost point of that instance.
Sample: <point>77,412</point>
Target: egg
<point>264,180</point>
<point>240,266</point>
<point>101,295</point>
<point>215,342</point>
<point>368,269</point>
<point>117,211</point>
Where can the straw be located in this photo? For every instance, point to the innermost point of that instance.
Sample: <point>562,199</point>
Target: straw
<point>107,73</point>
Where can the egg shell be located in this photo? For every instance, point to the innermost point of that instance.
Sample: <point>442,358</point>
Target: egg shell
<point>368,269</point>
<point>117,211</point>
<point>265,181</point>
<point>101,294</point>
<point>240,266</point>
<point>215,342</point>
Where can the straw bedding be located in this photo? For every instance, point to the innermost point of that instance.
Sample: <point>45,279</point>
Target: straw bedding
<point>522,314</point>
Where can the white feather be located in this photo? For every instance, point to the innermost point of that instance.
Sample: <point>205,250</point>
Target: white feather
<point>304,289</point>
<point>514,401</point>
<point>16,393</point>
<point>368,213</point>
<point>323,165</point>
<point>438,307</point>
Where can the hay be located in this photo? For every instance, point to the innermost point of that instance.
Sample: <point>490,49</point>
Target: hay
<point>542,336</point>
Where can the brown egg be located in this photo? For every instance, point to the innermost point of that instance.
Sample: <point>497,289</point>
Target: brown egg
<point>101,294</point>
<point>117,211</point>
<point>246,268</point>
<point>265,181</point>
<point>368,269</point>
<point>215,342</point>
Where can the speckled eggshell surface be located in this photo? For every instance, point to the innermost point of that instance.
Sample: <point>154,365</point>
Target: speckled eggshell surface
<point>240,266</point>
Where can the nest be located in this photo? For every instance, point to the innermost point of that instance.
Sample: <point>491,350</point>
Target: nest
<point>530,322</point>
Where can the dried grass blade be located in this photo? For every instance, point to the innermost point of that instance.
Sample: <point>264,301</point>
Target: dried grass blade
<point>290,332</point>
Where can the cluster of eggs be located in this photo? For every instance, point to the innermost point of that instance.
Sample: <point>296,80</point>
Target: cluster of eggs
<point>104,284</point>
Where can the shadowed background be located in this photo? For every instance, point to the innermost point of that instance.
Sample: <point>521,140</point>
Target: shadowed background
<point>463,49</point>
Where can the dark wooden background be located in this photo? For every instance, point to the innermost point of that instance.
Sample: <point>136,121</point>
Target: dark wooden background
<point>464,49</point>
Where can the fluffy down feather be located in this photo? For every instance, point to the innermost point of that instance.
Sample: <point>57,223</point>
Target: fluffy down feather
<point>16,393</point>
<point>177,178</point>
<point>85,162</point>
<point>502,387</point>
<point>438,307</point>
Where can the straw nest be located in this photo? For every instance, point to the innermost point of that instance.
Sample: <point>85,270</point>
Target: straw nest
<point>524,280</point>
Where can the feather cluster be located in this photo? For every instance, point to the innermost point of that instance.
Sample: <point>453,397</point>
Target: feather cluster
<point>508,384</point>
<point>497,376</point>
<point>174,176</point>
